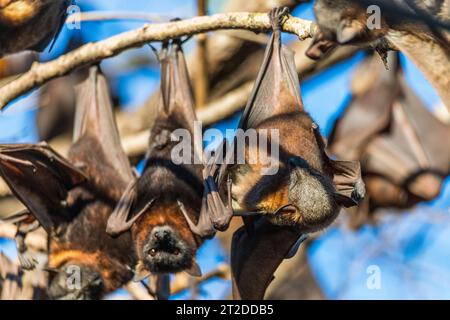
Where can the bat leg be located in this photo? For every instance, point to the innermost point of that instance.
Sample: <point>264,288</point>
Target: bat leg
<point>26,259</point>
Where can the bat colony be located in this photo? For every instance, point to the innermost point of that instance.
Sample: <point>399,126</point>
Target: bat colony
<point>112,226</point>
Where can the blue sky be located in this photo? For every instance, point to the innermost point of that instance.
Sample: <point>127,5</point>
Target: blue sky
<point>410,248</point>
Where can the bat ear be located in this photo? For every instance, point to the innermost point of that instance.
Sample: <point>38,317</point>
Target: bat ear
<point>40,178</point>
<point>194,270</point>
<point>350,188</point>
<point>348,32</point>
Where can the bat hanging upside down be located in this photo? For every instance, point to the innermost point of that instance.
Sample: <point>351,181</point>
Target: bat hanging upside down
<point>160,206</point>
<point>72,199</point>
<point>304,195</point>
<point>398,141</point>
<point>419,29</point>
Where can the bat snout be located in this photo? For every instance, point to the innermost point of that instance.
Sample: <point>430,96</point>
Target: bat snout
<point>166,251</point>
<point>75,282</point>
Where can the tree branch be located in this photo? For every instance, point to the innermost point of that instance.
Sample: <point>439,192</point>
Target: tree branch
<point>41,73</point>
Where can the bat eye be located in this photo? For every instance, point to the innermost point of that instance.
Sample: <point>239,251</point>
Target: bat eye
<point>176,252</point>
<point>152,252</point>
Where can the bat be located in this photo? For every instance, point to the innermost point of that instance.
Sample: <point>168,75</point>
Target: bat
<point>155,207</point>
<point>420,30</point>
<point>30,24</point>
<point>397,140</point>
<point>303,196</point>
<point>73,198</point>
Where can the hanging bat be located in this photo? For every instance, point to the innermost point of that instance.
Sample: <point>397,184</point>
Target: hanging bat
<point>72,199</point>
<point>305,193</point>
<point>397,140</point>
<point>30,24</point>
<point>421,31</point>
<point>154,207</point>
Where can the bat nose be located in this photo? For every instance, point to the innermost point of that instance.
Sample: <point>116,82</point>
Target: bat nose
<point>162,235</point>
<point>163,240</point>
<point>166,251</point>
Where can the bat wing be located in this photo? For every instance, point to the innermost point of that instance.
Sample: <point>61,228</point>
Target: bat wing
<point>429,130</point>
<point>276,89</point>
<point>255,257</point>
<point>369,111</point>
<point>96,147</point>
<point>412,146</point>
<point>432,57</point>
<point>53,35</point>
<point>180,92</point>
<point>40,178</point>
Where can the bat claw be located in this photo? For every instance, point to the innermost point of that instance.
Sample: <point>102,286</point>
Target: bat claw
<point>27,261</point>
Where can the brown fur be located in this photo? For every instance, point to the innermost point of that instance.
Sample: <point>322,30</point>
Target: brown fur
<point>83,241</point>
<point>29,24</point>
<point>253,191</point>
<point>160,216</point>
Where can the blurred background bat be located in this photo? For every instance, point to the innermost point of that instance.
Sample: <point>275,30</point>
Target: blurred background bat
<point>30,24</point>
<point>72,199</point>
<point>303,196</point>
<point>397,140</point>
<point>420,30</point>
<point>153,206</point>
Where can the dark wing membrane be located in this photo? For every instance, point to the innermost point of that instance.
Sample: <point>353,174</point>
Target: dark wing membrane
<point>276,89</point>
<point>368,112</point>
<point>182,100</point>
<point>432,57</point>
<point>430,132</point>
<point>413,144</point>
<point>97,146</point>
<point>60,16</point>
<point>255,257</point>
<point>40,178</point>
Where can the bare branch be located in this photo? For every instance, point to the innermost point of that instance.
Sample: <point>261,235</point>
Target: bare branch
<point>41,73</point>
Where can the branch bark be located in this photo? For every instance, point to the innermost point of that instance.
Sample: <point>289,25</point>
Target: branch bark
<point>41,73</point>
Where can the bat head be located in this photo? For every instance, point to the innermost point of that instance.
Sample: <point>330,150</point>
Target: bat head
<point>312,194</point>
<point>341,22</point>
<point>166,251</point>
<point>75,282</point>
<point>165,244</point>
